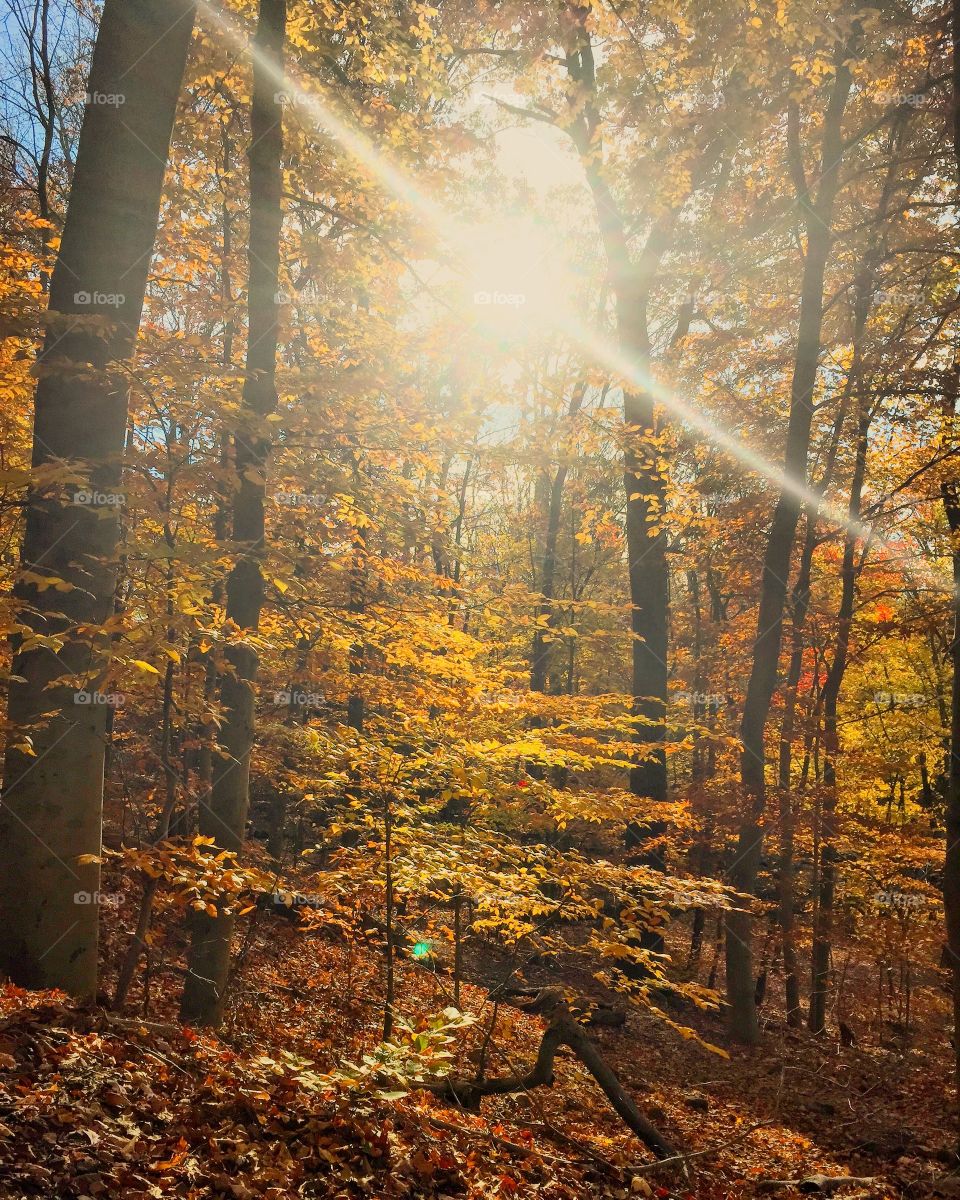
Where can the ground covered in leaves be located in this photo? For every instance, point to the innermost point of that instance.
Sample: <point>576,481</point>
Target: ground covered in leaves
<point>94,1105</point>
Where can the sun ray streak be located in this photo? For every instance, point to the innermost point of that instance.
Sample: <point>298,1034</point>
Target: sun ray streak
<point>459,240</point>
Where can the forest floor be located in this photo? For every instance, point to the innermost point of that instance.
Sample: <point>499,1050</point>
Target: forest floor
<point>95,1106</point>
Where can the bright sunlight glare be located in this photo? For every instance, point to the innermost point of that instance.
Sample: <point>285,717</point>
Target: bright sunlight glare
<point>511,262</point>
<point>516,279</point>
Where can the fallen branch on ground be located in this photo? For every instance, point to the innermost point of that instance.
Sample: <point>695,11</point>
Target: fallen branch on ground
<point>563,1030</point>
<point>824,1184</point>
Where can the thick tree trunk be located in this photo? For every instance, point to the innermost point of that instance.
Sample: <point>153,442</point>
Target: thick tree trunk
<point>776,565</point>
<point>52,799</point>
<point>223,814</point>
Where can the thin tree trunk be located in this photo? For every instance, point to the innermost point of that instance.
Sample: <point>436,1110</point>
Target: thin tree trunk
<point>951,873</point>
<point>951,504</point>
<point>540,656</point>
<point>357,604</point>
<point>53,796</point>
<point>171,776</point>
<point>823,915</point>
<point>207,732</point>
<point>223,814</point>
<point>800,605</point>
<point>643,479</point>
<point>776,565</point>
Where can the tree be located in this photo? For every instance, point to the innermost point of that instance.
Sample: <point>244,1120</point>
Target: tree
<point>223,814</point>
<point>817,209</point>
<point>50,821</point>
<point>950,491</point>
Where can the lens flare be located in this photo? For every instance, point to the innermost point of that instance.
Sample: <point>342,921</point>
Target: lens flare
<point>460,239</point>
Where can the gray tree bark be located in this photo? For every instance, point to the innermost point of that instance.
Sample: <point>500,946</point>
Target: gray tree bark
<point>818,214</point>
<point>223,814</point>
<point>52,799</point>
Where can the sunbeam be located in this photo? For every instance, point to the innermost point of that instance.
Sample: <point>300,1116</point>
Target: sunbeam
<point>461,240</point>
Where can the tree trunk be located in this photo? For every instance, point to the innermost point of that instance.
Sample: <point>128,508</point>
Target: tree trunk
<point>951,871</point>
<point>823,915</point>
<point>356,705</point>
<point>53,797</point>
<point>223,814</point>
<point>800,606</point>
<point>951,505</point>
<point>776,565</point>
<point>540,656</point>
<point>643,479</point>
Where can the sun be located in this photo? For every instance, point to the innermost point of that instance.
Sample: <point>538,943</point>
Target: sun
<point>516,275</point>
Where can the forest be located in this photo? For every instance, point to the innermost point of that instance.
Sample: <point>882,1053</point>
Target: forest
<point>480,599</point>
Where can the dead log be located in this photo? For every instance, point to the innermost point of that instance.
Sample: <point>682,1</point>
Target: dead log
<point>824,1185</point>
<point>563,1030</point>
